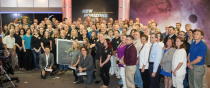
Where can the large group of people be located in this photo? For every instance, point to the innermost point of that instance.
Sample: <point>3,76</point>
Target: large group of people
<point>139,55</point>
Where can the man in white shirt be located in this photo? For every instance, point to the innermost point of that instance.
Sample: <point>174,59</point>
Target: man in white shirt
<point>46,62</point>
<point>9,45</point>
<point>154,61</point>
<point>143,56</point>
<point>137,44</point>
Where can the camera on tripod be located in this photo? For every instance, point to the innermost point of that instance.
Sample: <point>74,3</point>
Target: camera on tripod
<point>6,69</point>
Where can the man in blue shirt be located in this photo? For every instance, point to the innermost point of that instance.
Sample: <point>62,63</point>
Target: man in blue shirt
<point>196,60</point>
<point>154,61</point>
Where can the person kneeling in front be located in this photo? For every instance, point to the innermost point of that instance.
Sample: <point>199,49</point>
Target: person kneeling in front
<point>46,62</point>
<point>85,66</point>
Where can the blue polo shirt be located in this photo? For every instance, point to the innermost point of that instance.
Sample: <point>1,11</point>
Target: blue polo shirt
<point>27,41</point>
<point>199,49</point>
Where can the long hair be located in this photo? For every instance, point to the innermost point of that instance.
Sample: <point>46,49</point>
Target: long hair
<point>109,43</point>
<point>183,45</point>
<point>173,43</point>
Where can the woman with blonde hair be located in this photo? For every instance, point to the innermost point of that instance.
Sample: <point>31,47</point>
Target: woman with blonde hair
<point>75,57</point>
<point>74,35</point>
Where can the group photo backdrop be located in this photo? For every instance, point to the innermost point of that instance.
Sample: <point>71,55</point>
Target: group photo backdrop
<point>168,12</point>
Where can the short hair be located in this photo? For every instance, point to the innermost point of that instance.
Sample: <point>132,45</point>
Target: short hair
<point>198,30</point>
<point>155,23</point>
<point>161,36</point>
<point>181,32</point>
<point>145,36</point>
<point>172,27</point>
<point>156,35</point>
<point>116,30</point>
<point>85,49</point>
<point>179,23</point>
<point>129,36</point>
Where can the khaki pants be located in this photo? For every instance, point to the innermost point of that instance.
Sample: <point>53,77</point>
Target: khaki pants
<point>129,76</point>
<point>196,76</point>
<point>205,82</point>
<point>13,60</point>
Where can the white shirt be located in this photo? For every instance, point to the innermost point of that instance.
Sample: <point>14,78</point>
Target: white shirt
<point>143,56</point>
<point>137,44</point>
<point>9,41</point>
<point>180,56</point>
<point>161,44</point>
<point>156,54</point>
<point>47,57</point>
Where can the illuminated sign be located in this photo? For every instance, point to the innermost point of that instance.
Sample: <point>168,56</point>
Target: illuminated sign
<point>91,13</point>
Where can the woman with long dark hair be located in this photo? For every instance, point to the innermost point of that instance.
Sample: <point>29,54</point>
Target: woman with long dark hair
<point>166,62</point>
<point>179,63</point>
<point>19,47</point>
<point>105,63</point>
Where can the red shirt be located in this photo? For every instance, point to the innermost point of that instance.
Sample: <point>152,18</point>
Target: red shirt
<point>130,57</point>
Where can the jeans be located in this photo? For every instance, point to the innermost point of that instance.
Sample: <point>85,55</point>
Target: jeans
<point>122,76</point>
<point>36,58</point>
<point>89,77</point>
<point>63,67</point>
<point>137,78</point>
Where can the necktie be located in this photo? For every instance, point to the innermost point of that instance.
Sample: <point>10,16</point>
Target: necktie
<point>150,52</point>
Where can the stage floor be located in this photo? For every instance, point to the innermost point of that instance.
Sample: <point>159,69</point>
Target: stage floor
<point>31,79</point>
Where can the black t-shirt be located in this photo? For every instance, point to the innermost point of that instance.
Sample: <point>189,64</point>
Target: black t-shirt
<point>36,42</point>
<point>93,40</point>
<point>18,39</point>
<point>105,54</point>
<point>99,48</point>
<point>46,41</point>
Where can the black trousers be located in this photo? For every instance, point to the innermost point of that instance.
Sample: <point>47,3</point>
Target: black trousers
<point>28,60</point>
<point>75,75</point>
<point>154,81</point>
<point>20,58</point>
<point>104,71</point>
<point>145,75</point>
